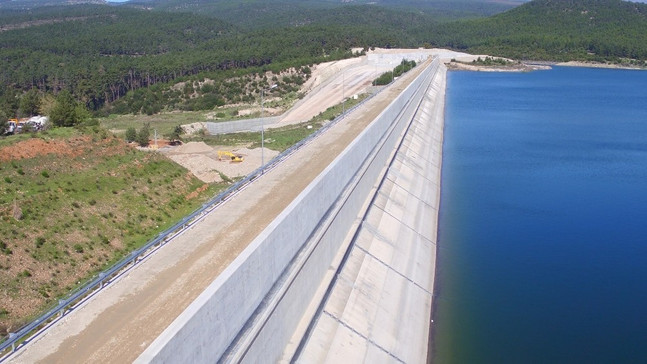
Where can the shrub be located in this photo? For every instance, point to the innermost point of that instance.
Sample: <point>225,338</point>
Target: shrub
<point>4,248</point>
<point>131,134</point>
<point>144,135</point>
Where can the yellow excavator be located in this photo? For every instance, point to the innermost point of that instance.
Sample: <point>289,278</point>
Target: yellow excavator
<point>232,157</point>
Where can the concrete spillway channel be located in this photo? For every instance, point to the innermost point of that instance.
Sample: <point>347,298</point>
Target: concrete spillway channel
<point>345,272</point>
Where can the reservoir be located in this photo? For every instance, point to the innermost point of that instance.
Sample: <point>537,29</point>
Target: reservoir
<point>542,247</point>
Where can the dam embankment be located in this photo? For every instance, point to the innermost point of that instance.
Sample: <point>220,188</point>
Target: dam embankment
<point>252,310</point>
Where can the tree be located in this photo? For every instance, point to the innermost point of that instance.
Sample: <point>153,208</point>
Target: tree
<point>64,112</point>
<point>175,135</point>
<point>67,112</point>
<point>144,135</point>
<point>131,134</point>
<point>30,103</point>
<point>83,115</point>
<point>4,123</point>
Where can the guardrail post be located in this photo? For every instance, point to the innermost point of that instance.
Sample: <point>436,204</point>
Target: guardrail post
<point>101,276</point>
<point>60,302</point>
<point>13,344</point>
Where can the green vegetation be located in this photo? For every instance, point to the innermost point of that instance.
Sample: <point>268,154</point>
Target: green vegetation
<point>83,201</point>
<point>164,123</point>
<point>127,60</point>
<point>400,69</point>
<point>595,30</point>
<point>492,61</point>
<point>280,139</point>
<point>143,136</point>
<point>255,14</point>
<point>103,53</point>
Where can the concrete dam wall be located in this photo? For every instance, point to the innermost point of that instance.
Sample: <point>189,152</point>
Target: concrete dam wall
<point>251,312</point>
<point>377,308</point>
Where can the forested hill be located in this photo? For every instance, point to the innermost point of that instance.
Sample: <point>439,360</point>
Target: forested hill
<point>254,14</point>
<point>596,30</point>
<point>100,53</point>
<point>33,4</point>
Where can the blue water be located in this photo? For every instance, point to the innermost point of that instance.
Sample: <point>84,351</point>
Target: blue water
<point>542,253</point>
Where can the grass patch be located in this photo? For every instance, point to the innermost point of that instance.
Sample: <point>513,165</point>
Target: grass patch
<point>164,123</point>
<point>280,139</point>
<point>84,205</point>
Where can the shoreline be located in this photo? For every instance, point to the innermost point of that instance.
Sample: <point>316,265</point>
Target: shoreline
<point>530,66</point>
<point>516,67</point>
<point>599,65</point>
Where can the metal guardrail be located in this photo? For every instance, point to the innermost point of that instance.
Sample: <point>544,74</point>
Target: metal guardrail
<point>128,262</point>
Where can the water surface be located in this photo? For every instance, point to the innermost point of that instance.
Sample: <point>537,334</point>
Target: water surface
<point>542,252</point>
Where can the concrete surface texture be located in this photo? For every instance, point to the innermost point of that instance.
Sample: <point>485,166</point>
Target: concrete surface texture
<point>379,307</point>
<point>287,307</point>
<point>210,324</point>
<point>118,323</point>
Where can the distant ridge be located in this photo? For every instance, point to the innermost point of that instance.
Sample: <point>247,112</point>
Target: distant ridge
<point>599,30</point>
<point>110,52</point>
<point>31,4</point>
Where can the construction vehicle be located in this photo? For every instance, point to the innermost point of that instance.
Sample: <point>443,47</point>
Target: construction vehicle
<point>12,124</point>
<point>232,157</point>
<point>34,123</point>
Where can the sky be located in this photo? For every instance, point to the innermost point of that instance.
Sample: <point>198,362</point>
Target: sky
<point>123,1</point>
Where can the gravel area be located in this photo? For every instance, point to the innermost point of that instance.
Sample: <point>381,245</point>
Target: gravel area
<point>202,160</point>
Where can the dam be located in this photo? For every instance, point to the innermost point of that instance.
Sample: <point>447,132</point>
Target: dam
<point>346,270</point>
<point>328,255</point>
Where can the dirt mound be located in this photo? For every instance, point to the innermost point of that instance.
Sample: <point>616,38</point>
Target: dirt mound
<point>191,148</point>
<point>200,165</point>
<point>34,147</point>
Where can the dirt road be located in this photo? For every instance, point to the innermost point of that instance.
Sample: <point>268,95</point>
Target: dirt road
<point>331,85</point>
<point>118,323</point>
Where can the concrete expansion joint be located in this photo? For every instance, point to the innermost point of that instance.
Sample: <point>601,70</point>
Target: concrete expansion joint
<point>410,161</point>
<point>373,230</point>
<point>415,170</point>
<point>435,183</point>
<point>396,173</point>
<point>388,266</point>
<point>421,135</point>
<point>408,193</point>
<point>407,157</point>
<point>407,226</point>
<point>339,321</point>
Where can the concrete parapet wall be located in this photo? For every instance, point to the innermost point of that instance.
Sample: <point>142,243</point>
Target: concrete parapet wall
<point>234,126</point>
<point>250,311</point>
<point>395,59</point>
